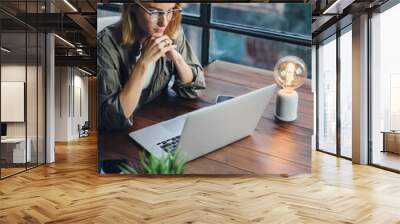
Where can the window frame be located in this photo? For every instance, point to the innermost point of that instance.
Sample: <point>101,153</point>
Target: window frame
<point>323,36</point>
<point>32,30</point>
<point>381,9</point>
<point>337,38</point>
<point>206,24</point>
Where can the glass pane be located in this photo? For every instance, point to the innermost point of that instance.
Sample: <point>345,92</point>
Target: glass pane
<point>251,51</point>
<point>31,98</point>
<point>280,17</point>
<point>41,99</point>
<point>385,86</point>
<point>13,87</point>
<point>194,34</point>
<point>192,9</point>
<point>107,15</point>
<point>327,97</point>
<point>346,94</point>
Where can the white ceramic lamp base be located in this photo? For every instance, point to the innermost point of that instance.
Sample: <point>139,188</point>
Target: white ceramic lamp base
<point>286,105</point>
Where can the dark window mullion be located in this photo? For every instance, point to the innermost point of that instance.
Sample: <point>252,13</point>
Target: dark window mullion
<point>26,87</point>
<point>37,89</point>
<point>269,35</point>
<point>205,19</point>
<point>317,96</point>
<point>369,77</point>
<point>192,20</point>
<point>206,23</point>
<point>338,96</point>
<point>264,34</point>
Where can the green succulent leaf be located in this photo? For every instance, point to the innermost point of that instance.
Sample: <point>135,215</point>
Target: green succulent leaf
<point>168,164</point>
<point>127,169</point>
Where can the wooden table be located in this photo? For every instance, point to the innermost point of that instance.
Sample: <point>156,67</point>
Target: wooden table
<point>391,141</point>
<point>273,148</point>
<point>15,152</point>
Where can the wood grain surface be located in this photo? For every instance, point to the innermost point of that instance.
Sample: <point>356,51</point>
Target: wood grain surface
<point>275,147</point>
<point>71,191</point>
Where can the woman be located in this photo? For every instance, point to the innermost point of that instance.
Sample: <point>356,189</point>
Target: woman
<point>138,56</point>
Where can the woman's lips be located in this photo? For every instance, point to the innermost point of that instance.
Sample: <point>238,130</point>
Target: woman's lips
<point>159,30</point>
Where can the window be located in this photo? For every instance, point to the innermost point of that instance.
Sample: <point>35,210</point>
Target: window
<point>107,14</point>
<point>194,34</point>
<point>254,34</point>
<point>346,93</point>
<point>327,96</point>
<point>290,18</point>
<point>385,86</point>
<point>257,52</point>
<point>191,9</point>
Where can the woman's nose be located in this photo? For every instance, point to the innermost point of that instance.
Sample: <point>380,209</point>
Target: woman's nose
<point>162,20</point>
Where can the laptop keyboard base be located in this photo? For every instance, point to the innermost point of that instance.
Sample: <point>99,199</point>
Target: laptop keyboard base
<point>169,145</point>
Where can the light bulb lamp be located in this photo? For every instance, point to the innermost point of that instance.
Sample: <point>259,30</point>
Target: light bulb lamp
<point>290,73</point>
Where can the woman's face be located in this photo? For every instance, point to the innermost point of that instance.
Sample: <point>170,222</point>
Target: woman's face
<point>153,25</point>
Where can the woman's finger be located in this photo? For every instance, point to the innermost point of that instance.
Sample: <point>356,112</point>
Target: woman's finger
<point>162,38</point>
<point>158,43</point>
<point>166,49</point>
<point>166,43</point>
<point>156,53</point>
<point>147,42</point>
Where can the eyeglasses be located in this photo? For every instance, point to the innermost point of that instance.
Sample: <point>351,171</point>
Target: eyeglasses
<point>155,15</point>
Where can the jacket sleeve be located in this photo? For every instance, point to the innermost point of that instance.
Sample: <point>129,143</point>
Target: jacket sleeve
<point>112,117</point>
<point>188,90</point>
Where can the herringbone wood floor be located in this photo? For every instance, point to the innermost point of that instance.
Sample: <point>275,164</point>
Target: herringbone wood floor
<point>70,191</point>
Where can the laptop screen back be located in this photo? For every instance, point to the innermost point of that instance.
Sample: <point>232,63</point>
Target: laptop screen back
<point>210,128</point>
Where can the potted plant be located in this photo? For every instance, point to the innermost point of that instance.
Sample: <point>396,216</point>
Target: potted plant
<point>168,164</point>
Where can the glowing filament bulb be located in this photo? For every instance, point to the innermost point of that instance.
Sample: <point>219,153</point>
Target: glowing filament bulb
<point>290,69</point>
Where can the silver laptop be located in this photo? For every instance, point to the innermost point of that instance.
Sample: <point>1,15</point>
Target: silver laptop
<point>207,129</point>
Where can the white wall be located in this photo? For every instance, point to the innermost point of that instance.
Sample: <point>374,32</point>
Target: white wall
<point>14,72</point>
<point>17,72</point>
<point>61,103</point>
<point>33,126</point>
<point>79,117</point>
<point>70,83</point>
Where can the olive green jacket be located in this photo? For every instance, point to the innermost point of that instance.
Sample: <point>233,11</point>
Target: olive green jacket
<point>114,64</point>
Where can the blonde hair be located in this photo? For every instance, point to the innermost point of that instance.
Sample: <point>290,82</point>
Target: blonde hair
<point>129,24</point>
